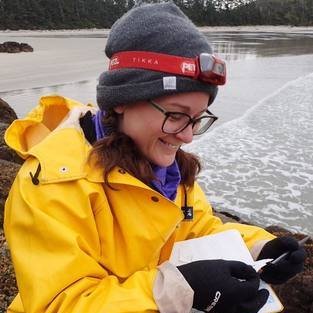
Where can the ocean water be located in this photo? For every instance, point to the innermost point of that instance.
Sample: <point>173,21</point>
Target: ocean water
<point>257,159</point>
<point>260,166</point>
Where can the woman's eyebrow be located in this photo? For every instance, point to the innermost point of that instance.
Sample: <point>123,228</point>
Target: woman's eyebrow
<point>184,108</point>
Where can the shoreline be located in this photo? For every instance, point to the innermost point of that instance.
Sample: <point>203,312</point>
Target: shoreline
<point>95,31</point>
<point>261,28</point>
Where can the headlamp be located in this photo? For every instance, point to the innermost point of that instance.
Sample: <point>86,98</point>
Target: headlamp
<point>212,69</point>
<point>206,67</point>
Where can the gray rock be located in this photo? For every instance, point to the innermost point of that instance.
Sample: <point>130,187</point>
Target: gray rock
<point>8,287</point>
<point>15,47</point>
<point>9,160</point>
<point>297,293</point>
<point>7,153</point>
<point>8,171</point>
<point>7,114</point>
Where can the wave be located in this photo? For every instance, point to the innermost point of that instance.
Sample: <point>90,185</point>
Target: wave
<point>260,166</point>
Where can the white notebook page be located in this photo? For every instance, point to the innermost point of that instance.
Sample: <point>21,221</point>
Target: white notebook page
<point>227,245</point>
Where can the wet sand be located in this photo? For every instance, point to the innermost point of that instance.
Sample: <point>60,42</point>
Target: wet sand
<point>252,28</point>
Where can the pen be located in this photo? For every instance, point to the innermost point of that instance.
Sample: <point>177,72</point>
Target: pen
<point>301,243</point>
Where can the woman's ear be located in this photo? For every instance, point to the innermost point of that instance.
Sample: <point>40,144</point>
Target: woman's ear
<point>119,109</point>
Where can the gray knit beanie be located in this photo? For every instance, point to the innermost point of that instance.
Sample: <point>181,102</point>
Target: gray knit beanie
<point>161,28</point>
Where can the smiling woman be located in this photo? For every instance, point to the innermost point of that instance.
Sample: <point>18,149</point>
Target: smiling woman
<point>105,193</point>
<point>156,135</point>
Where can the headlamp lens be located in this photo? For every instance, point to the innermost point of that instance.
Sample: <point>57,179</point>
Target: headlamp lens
<point>206,62</point>
<point>212,69</point>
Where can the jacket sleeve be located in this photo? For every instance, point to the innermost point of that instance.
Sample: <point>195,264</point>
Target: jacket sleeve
<point>206,223</point>
<point>55,250</point>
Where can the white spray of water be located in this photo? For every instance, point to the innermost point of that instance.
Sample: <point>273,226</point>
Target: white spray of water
<point>260,166</point>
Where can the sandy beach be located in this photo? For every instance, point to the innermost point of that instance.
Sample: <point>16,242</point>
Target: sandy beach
<point>51,59</point>
<point>252,28</point>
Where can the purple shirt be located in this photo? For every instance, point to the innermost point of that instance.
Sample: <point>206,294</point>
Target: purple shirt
<point>167,180</point>
<point>97,122</point>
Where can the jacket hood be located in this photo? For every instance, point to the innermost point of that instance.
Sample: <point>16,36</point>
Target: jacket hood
<point>24,134</point>
<point>51,139</point>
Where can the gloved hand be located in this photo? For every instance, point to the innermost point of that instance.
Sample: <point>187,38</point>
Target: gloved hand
<point>224,286</point>
<point>287,267</point>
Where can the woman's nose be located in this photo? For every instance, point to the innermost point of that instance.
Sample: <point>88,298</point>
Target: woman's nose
<point>186,135</point>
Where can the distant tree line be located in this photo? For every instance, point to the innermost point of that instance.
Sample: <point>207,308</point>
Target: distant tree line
<point>271,12</point>
<point>72,14</point>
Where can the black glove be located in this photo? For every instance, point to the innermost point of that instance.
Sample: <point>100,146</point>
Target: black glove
<point>255,304</point>
<point>286,268</point>
<point>224,286</point>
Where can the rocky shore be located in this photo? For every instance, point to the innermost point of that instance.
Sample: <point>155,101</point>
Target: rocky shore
<point>296,294</point>
<point>9,165</point>
<point>15,47</point>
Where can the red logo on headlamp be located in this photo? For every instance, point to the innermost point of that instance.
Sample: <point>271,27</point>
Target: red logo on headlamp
<point>207,67</point>
<point>114,61</point>
<point>188,67</point>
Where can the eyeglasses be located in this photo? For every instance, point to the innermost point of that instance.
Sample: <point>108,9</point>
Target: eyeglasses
<point>176,122</point>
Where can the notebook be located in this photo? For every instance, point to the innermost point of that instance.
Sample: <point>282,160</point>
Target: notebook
<point>227,245</point>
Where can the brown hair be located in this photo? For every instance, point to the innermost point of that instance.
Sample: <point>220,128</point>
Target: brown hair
<point>118,149</point>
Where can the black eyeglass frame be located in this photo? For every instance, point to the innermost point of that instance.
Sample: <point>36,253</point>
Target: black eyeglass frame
<point>192,121</point>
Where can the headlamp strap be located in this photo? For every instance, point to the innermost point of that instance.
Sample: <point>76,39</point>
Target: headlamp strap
<point>155,61</point>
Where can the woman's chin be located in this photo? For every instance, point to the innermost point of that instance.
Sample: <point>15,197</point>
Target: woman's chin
<point>164,161</point>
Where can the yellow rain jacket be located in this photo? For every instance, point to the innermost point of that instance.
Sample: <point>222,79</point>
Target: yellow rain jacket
<point>77,245</point>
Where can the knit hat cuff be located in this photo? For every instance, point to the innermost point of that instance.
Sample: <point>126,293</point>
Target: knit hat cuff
<point>111,96</point>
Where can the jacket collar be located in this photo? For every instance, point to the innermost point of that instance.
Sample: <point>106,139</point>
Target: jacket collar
<point>51,134</point>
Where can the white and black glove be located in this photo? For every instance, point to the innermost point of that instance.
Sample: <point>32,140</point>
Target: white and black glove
<point>222,286</point>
